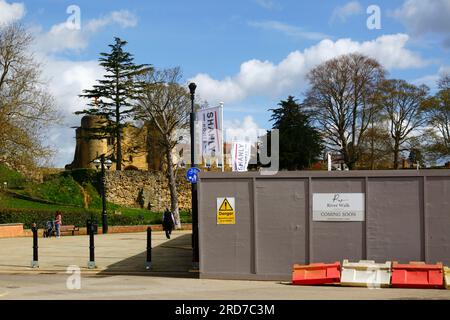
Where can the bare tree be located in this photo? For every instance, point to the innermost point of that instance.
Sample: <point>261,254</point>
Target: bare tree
<point>401,103</point>
<point>339,97</point>
<point>26,106</point>
<point>165,105</point>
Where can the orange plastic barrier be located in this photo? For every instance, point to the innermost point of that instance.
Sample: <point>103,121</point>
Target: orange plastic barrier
<point>316,273</point>
<point>417,275</point>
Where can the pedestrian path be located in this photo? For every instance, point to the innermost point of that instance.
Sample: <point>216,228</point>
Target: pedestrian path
<point>114,253</point>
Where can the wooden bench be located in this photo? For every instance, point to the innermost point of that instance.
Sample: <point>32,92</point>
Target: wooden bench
<point>69,228</point>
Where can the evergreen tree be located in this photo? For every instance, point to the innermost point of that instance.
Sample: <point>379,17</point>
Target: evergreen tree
<point>300,143</point>
<point>112,98</point>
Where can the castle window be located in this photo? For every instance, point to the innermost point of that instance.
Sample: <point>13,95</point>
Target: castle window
<point>131,158</point>
<point>110,141</point>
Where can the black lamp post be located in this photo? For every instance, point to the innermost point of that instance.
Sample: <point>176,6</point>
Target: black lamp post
<point>195,256</point>
<point>103,162</point>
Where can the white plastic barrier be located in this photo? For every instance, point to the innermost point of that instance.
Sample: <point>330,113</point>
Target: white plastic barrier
<point>366,273</point>
<point>447,277</point>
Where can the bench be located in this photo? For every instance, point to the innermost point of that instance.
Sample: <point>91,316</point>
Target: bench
<point>69,228</point>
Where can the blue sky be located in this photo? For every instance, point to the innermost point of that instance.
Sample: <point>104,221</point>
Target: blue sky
<point>248,53</point>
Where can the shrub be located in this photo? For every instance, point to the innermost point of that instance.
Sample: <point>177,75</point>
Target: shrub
<point>84,176</point>
<point>75,217</point>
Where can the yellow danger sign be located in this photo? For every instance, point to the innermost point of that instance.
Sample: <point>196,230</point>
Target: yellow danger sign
<point>226,211</point>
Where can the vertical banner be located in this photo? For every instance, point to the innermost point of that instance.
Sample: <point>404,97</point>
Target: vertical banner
<point>240,156</point>
<point>211,134</point>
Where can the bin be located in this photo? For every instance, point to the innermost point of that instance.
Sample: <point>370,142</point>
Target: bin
<point>94,224</point>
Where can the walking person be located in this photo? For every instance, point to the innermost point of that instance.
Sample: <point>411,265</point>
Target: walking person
<point>168,223</point>
<point>58,221</point>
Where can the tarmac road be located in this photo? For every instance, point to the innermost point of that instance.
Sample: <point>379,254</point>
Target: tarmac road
<point>53,287</point>
<point>121,274</point>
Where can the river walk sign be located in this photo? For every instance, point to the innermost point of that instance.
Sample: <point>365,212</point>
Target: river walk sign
<point>338,207</point>
<point>226,213</point>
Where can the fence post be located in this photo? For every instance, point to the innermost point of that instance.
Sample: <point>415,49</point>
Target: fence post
<point>148,264</point>
<point>91,263</point>
<point>35,262</point>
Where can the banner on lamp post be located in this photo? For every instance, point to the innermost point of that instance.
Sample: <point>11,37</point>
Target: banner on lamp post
<point>240,156</point>
<point>211,134</point>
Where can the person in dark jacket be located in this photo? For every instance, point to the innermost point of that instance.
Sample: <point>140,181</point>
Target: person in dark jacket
<point>168,223</point>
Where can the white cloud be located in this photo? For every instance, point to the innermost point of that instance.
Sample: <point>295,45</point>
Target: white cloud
<point>432,79</point>
<point>344,12</point>
<point>67,80</point>
<point>265,78</point>
<point>246,130</point>
<point>266,4</point>
<point>11,12</point>
<point>62,37</point>
<point>289,30</point>
<point>124,18</point>
<point>426,16</point>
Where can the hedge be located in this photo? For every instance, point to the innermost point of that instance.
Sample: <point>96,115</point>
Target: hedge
<point>78,218</point>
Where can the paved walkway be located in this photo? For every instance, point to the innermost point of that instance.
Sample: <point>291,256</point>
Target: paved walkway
<point>121,273</point>
<point>114,253</point>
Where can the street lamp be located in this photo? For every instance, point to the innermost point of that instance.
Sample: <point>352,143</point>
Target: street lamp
<point>195,252</point>
<point>103,163</point>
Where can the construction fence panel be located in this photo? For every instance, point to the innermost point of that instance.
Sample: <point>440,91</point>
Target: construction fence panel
<point>404,217</point>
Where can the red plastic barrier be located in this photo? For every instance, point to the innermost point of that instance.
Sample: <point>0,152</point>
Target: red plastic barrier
<point>417,275</point>
<point>316,273</point>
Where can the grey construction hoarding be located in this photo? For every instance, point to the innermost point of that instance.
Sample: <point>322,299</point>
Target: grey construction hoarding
<point>318,216</point>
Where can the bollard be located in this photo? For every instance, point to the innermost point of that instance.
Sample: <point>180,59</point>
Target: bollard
<point>91,263</point>
<point>35,262</point>
<point>148,264</point>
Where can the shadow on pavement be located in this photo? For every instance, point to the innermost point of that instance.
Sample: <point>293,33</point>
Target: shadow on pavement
<point>170,259</point>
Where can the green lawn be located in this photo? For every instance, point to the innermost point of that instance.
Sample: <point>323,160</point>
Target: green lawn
<point>65,192</point>
<point>10,202</point>
<point>7,201</point>
<point>13,178</point>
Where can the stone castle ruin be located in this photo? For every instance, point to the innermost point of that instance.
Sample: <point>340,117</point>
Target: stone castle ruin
<point>142,182</point>
<point>139,149</point>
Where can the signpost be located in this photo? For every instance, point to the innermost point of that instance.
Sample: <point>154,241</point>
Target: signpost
<point>192,174</point>
<point>338,207</point>
<point>226,213</point>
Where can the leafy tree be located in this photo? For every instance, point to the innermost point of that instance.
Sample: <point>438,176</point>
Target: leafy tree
<point>376,148</point>
<point>401,103</point>
<point>438,115</point>
<point>300,143</point>
<point>416,156</point>
<point>27,108</point>
<point>112,98</point>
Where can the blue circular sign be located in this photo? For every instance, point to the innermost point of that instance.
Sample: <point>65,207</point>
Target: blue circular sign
<point>192,174</point>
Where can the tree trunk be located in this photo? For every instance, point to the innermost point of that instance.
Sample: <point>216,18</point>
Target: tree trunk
<point>118,133</point>
<point>119,150</point>
<point>396,152</point>
<point>372,149</point>
<point>173,189</point>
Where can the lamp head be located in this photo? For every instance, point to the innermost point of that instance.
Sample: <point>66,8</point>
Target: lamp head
<point>108,163</point>
<point>192,87</point>
<point>97,163</point>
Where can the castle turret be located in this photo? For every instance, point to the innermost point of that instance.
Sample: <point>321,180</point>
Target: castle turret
<point>88,148</point>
